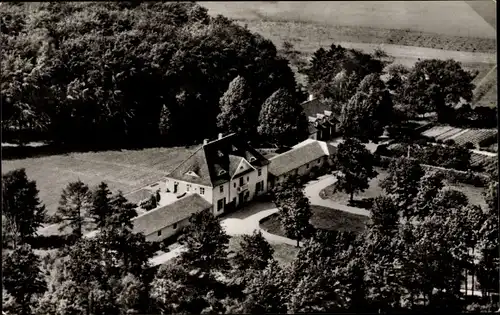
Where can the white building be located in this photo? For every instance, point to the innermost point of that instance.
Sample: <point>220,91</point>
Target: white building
<point>227,172</point>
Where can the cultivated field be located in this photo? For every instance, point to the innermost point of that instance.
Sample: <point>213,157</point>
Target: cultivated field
<point>451,25</point>
<point>485,93</point>
<point>122,170</point>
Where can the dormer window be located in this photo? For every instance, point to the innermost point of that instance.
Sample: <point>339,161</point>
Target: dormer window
<point>220,154</point>
<point>191,173</point>
<point>252,159</point>
<point>222,172</point>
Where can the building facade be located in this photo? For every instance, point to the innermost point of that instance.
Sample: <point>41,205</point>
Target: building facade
<point>226,172</point>
<point>323,125</point>
<point>300,160</point>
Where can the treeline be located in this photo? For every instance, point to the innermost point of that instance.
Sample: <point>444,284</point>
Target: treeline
<point>421,244</point>
<point>133,73</point>
<point>368,93</point>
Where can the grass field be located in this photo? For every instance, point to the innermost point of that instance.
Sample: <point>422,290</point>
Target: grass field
<point>323,218</point>
<point>451,25</point>
<point>283,253</point>
<point>473,193</point>
<point>121,170</point>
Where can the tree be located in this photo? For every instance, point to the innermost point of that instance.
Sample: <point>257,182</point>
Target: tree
<point>397,75</point>
<point>101,205</point>
<point>429,187</point>
<point>166,124</point>
<point>255,252</point>
<point>436,85</point>
<point>354,167</point>
<point>402,182</point>
<point>22,277</point>
<point>206,244</point>
<point>385,216</point>
<point>237,111</point>
<point>21,206</point>
<point>295,212</point>
<point>75,202</point>
<point>282,119</point>
<point>366,114</point>
<point>266,292</point>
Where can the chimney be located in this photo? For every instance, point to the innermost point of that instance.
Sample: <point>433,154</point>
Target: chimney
<point>205,141</point>
<point>220,135</point>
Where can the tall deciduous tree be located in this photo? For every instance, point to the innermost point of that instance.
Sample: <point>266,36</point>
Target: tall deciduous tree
<point>402,182</point>
<point>354,167</point>
<point>75,202</point>
<point>366,114</point>
<point>255,252</point>
<point>22,277</point>
<point>295,212</point>
<point>20,205</point>
<point>237,112</point>
<point>436,85</point>
<point>266,292</point>
<point>206,244</point>
<point>282,120</point>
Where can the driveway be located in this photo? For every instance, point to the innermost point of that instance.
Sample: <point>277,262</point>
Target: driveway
<point>313,188</point>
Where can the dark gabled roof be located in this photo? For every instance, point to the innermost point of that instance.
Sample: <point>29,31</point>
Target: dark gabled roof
<point>315,106</point>
<point>161,217</point>
<point>219,155</point>
<point>302,153</point>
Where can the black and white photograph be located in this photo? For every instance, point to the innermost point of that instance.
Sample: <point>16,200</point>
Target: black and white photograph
<point>249,157</point>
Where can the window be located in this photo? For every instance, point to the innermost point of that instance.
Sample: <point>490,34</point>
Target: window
<point>259,171</point>
<point>234,185</point>
<point>241,181</point>
<point>159,233</point>
<point>319,160</point>
<point>175,226</point>
<point>188,187</point>
<point>221,188</point>
<point>307,165</point>
<point>202,191</point>
<point>248,178</point>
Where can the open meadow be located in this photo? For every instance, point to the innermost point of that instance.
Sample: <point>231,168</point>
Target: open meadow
<point>125,170</point>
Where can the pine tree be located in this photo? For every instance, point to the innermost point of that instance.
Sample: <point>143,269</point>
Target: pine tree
<point>21,206</point>
<point>22,277</point>
<point>101,205</point>
<point>75,202</point>
<point>166,124</point>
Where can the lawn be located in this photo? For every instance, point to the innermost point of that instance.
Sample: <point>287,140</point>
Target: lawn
<point>323,218</point>
<point>473,193</point>
<point>125,170</point>
<point>421,24</point>
<point>283,253</point>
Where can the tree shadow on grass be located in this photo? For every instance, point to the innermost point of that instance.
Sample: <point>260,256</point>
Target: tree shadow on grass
<point>364,203</point>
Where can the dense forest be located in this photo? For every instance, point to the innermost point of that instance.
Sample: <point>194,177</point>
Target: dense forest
<point>127,73</point>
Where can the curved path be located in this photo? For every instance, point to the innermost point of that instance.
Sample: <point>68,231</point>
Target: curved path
<point>313,188</point>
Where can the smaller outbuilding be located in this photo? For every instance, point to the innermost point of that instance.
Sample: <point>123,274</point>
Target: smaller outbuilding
<point>300,160</point>
<point>168,220</point>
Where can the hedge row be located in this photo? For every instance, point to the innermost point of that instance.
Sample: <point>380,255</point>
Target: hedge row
<point>451,175</point>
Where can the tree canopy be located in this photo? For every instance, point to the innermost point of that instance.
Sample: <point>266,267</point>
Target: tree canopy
<point>99,74</point>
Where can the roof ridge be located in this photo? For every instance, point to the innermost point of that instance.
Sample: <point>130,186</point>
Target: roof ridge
<point>185,160</point>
